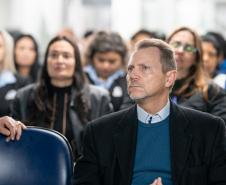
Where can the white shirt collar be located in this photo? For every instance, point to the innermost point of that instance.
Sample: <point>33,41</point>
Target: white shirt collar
<point>144,117</point>
<point>6,77</point>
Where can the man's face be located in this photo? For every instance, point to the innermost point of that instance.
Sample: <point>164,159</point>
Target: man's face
<point>145,77</point>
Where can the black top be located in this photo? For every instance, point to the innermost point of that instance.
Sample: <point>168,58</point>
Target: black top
<point>62,96</point>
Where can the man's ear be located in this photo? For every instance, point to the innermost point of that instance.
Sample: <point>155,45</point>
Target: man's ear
<point>171,77</point>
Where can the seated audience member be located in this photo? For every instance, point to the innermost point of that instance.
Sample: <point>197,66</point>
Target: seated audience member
<point>26,57</point>
<point>10,81</point>
<point>212,55</point>
<point>219,37</point>
<point>61,99</point>
<point>11,128</point>
<point>155,142</point>
<point>192,88</point>
<point>107,58</point>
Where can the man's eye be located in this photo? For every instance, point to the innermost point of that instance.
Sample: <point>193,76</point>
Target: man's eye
<point>145,68</point>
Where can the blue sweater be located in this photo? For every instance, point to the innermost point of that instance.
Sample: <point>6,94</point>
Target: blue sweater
<point>152,158</point>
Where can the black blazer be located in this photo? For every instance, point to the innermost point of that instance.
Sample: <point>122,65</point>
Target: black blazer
<point>98,105</point>
<point>197,143</point>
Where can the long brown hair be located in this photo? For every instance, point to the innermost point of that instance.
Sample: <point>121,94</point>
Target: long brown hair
<point>196,79</point>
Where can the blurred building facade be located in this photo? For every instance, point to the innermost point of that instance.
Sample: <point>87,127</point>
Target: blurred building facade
<point>45,18</point>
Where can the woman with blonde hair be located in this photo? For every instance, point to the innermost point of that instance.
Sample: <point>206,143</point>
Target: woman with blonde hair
<point>9,80</point>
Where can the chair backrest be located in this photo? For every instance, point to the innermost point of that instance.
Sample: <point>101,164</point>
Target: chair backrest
<point>40,157</point>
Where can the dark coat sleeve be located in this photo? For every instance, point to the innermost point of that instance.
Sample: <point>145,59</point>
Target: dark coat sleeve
<point>87,161</point>
<point>217,170</point>
<point>217,101</point>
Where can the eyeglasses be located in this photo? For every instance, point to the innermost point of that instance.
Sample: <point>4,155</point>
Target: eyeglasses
<point>186,47</point>
<point>55,55</point>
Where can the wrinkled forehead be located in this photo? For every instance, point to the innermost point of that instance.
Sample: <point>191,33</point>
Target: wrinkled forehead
<point>144,56</point>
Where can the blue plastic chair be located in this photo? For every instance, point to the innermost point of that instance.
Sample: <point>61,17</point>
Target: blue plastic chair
<point>40,157</point>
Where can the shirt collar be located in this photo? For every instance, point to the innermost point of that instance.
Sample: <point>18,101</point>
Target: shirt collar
<point>144,117</point>
<point>7,77</point>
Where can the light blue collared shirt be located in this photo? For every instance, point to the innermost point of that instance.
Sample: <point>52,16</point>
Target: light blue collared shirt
<point>144,117</point>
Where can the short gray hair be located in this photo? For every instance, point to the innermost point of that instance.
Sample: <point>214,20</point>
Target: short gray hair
<point>166,52</point>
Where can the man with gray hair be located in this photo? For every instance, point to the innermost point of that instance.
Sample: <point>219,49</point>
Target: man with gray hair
<point>155,141</point>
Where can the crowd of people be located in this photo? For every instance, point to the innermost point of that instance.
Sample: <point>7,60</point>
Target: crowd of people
<point>163,96</point>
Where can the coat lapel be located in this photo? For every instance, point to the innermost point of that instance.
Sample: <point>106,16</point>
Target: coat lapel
<point>125,143</point>
<point>125,136</point>
<point>180,141</point>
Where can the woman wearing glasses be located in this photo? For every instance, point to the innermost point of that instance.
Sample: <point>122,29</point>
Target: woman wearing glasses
<point>61,99</point>
<point>192,88</point>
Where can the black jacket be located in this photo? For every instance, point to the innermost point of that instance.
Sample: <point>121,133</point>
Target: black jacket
<point>98,102</point>
<point>197,144</point>
<point>8,92</point>
<point>215,105</point>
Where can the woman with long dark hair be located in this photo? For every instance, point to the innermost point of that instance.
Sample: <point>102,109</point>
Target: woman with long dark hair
<point>26,56</point>
<point>61,99</point>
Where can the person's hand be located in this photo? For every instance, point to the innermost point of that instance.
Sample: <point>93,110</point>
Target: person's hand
<point>157,181</point>
<point>11,128</point>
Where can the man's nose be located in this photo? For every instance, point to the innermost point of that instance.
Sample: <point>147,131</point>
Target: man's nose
<point>133,74</point>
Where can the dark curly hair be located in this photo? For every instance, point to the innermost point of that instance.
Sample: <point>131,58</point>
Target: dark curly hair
<point>106,42</point>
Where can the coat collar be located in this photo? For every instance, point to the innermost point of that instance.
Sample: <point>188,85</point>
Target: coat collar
<point>180,140</point>
<point>125,143</point>
<point>125,136</point>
